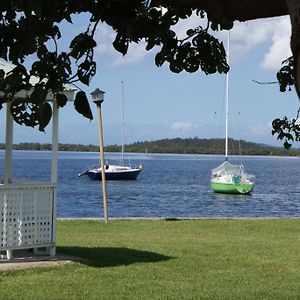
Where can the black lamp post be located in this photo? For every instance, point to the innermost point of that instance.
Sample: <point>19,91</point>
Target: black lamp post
<point>98,98</point>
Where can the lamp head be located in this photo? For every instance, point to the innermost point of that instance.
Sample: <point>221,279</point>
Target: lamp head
<point>98,96</point>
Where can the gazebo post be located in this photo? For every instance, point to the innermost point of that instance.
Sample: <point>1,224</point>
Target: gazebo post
<point>8,145</point>
<point>54,143</point>
<point>8,161</point>
<point>52,250</point>
<point>54,171</point>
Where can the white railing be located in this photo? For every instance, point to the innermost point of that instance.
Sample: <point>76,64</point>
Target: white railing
<point>27,217</point>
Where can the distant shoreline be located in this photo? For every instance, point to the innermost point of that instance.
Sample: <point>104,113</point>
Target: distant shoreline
<point>156,153</point>
<point>171,146</point>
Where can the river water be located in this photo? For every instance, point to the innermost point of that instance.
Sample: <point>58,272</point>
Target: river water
<point>170,186</point>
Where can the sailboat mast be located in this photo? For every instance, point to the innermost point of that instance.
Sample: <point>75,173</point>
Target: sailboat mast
<point>227,102</point>
<point>122,87</point>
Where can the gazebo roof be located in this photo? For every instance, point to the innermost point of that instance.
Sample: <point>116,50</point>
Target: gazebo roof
<point>8,67</point>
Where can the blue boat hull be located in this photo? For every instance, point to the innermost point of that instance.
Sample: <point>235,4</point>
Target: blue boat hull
<point>127,175</point>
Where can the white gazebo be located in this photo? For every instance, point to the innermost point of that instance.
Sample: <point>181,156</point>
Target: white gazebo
<point>28,208</point>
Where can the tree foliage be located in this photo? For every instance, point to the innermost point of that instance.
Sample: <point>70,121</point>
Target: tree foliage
<point>286,129</point>
<point>31,28</point>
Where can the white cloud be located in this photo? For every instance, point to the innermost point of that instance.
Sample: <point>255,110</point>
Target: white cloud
<point>105,36</point>
<point>280,48</point>
<point>184,126</point>
<point>244,37</point>
<point>261,129</point>
<point>136,53</point>
<point>247,36</point>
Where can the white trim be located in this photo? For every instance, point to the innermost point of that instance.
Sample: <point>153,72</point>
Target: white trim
<point>8,145</point>
<point>54,143</point>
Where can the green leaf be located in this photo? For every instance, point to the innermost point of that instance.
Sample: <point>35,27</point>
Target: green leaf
<point>86,71</point>
<point>68,18</point>
<point>45,116</point>
<point>175,67</point>
<point>25,112</point>
<point>81,44</point>
<point>190,32</point>
<point>39,94</point>
<point>61,100</point>
<point>285,75</point>
<point>82,105</point>
<point>2,74</point>
<point>160,58</point>
<point>287,145</point>
<point>121,44</point>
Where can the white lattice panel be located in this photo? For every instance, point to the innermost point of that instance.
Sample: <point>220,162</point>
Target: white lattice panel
<point>27,214</point>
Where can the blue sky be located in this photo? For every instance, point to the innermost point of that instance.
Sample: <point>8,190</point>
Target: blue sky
<point>160,104</point>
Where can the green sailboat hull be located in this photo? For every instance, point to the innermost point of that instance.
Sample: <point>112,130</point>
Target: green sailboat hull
<point>232,188</point>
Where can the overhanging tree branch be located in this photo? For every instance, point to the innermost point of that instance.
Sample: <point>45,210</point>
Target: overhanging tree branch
<point>236,10</point>
<point>26,26</point>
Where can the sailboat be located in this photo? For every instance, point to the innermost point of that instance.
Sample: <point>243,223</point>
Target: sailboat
<point>229,178</point>
<point>120,171</point>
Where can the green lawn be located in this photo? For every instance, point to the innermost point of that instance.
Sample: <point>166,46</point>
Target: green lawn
<point>160,259</point>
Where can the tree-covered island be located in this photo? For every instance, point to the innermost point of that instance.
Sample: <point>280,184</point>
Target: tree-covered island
<point>173,146</point>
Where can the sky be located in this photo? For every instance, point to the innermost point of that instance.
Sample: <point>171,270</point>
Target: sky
<point>160,104</point>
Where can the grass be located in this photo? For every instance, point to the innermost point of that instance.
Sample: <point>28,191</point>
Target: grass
<point>160,259</point>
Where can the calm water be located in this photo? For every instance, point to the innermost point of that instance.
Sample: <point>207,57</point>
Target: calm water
<point>168,186</point>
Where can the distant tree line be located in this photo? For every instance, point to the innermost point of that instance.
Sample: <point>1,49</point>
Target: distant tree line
<point>61,147</point>
<point>175,146</point>
<point>202,146</point>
